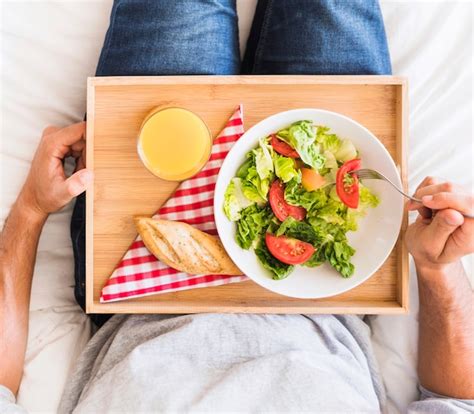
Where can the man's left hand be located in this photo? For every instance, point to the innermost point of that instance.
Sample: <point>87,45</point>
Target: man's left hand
<point>437,240</point>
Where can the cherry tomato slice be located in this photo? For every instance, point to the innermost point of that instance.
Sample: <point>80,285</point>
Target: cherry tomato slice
<point>283,148</point>
<point>288,250</point>
<point>348,192</point>
<point>280,207</point>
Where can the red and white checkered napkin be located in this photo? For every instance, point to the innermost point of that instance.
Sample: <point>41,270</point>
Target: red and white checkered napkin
<point>139,273</point>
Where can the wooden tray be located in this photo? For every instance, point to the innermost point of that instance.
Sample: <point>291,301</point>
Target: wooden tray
<point>123,187</point>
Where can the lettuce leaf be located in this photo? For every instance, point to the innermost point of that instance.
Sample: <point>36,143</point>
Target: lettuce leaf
<point>301,136</point>
<point>333,247</point>
<point>251,192</point>
<point>328,142</point>
<point>283,134</point>
<point>253,187</point>
<point>285,168</point>
<point>331,161</point>
<point>243,170</point>
<point>346,151</point>
<point>278,269</point>
<point>298,230</point>
<point>253,222</point>
<point>339,255</point>
<point>263,159</point>
<point>262,186</point>
<point>235,200</point>
<point>317,259</point>
<point>333,194</point>
<point>367,198</point>
<point>296,195</point>
<point>333,212</point>
<point>336,212</point>
<point>329,175</point>
<point>326,232</point>
<point>352,218</point>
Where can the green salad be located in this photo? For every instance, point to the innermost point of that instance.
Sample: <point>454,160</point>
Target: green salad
<point>295,198</point>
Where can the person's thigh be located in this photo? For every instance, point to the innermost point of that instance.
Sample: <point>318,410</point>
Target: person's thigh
<point>160,37</point>
<point>342,37</point>
<point>171,37</point>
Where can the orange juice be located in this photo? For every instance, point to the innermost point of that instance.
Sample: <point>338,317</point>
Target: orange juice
<point>174,143</point>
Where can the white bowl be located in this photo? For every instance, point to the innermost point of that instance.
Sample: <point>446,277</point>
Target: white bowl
<point>373,241</point>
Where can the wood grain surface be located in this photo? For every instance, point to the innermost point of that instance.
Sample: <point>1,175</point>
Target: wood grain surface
<point>123,187</point>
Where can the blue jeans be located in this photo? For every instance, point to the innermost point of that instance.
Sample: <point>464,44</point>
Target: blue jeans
<point>184,37</point>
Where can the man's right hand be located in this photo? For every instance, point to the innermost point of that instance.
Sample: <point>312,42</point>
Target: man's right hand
<point>47,189</point>
<point>438,241</point>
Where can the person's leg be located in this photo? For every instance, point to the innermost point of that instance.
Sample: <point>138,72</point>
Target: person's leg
<point>319,37</point>
<point>160,37</point>
<point>178,37</point>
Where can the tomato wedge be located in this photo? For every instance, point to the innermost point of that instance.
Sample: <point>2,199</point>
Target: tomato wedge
<point>288,250</point>
<point>283,148</point>
<point>347,185</point>
<point>280,207</point>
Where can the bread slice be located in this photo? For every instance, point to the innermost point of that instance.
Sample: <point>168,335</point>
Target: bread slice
<point>185,248</point>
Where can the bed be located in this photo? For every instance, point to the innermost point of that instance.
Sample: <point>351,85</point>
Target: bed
<point>50,47</point>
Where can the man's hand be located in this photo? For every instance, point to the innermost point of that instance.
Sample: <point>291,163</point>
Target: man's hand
<point>437,241</point>
<point>47,189</point>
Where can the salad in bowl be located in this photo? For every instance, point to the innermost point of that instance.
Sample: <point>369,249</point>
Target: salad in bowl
<point>295,198</point>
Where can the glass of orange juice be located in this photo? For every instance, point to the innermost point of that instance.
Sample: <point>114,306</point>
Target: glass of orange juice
<point>174,143</point>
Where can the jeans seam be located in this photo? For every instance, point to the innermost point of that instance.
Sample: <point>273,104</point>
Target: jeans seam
<point>108,38</point>
<point>262,37</point>
<point>81,231</point>
<point>76,243</point>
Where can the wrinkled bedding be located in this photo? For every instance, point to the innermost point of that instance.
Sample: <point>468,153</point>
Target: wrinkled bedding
<point>50,47</point>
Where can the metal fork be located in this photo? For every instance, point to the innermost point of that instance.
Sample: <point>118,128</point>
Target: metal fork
<point>368,174</point>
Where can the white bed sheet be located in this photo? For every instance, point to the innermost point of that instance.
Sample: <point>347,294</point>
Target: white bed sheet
<point>430,43</point>
<point>50,47</point>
